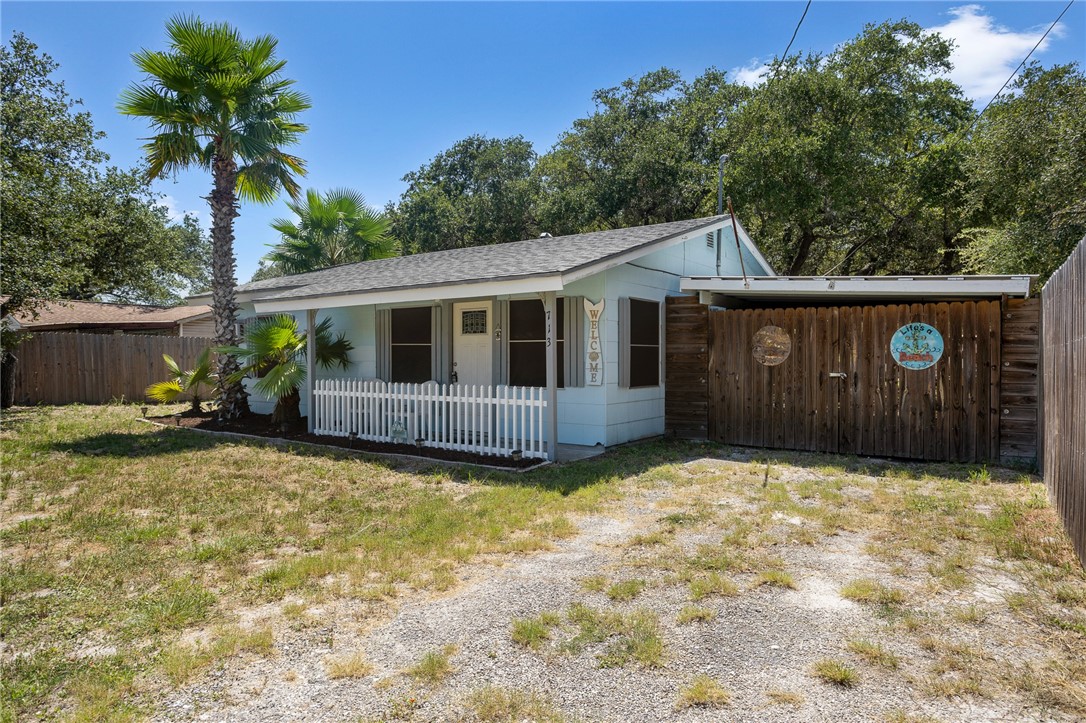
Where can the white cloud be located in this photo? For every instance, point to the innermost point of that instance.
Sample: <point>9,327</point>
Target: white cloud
<point>176,214</point>
<point>751,74</point>
<point>986,52</point>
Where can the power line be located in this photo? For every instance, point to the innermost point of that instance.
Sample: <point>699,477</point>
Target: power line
<point>958,137</point>
<point>1020,65</point>
<point>796,32</point>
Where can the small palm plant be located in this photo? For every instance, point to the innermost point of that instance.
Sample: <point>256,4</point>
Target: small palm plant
<point>275,352</point>
<point>190,382</point>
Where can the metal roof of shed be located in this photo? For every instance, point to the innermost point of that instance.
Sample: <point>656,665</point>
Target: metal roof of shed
<point>858,288</point>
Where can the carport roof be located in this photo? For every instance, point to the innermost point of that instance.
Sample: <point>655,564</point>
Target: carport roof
<point>858,288</point>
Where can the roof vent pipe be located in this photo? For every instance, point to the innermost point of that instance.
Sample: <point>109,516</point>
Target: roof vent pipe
<point>720,208</point>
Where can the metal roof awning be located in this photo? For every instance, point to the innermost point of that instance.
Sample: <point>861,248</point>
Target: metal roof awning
<point>714,289</point>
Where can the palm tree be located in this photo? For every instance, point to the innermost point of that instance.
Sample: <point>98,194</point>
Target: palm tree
<point>191,381</point>
<point>218,102</point>
<point>274,351</point>
<point>334,228</point>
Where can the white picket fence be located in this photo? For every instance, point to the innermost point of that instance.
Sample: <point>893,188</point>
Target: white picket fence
<point>481,419</point>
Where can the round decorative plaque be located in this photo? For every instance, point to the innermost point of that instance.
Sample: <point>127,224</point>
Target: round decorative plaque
<point>772,345</point>
<point>917,345</point>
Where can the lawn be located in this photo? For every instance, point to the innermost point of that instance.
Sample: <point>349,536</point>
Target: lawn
<point>118,538</point>
<point>148,571</point>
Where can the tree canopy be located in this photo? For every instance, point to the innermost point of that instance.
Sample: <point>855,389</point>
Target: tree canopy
<point>74,228</point>
<point>849,160</point>
<point>867,160</point>
<point>478,192</point>
<point>1027,166</point>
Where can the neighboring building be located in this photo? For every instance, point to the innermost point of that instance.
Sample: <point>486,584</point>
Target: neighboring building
<point>477,317</point>
<point>94,317</point>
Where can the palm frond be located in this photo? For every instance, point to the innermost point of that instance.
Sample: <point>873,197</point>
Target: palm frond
<point>165,392</point>
<point>172,365</point>
<point>281,380</point>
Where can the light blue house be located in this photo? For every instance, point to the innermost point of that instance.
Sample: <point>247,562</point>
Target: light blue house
<point>503,348</point>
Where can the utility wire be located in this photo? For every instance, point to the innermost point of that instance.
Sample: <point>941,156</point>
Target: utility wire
<point>796,32</point>
<point>1020,65</point>
<point>959,136</point>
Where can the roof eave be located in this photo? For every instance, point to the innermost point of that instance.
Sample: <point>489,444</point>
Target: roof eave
<point>844,287</point>
<point>617,259</point>
<point>415,294</point>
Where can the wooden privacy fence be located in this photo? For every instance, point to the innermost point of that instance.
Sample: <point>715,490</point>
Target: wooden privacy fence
<point>1064,359</point>
<point>838,388</point>
<point>480,419</point>
<point>66,367</point>
<point>686,367</point>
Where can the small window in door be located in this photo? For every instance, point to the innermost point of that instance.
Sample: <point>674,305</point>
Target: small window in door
<point>473,322</point>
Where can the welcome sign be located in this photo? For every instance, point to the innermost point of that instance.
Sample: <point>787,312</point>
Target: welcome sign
<point>594,357</point>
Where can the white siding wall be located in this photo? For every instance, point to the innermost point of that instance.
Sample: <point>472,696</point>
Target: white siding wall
<point>639,413</point>
<point>201,327</point>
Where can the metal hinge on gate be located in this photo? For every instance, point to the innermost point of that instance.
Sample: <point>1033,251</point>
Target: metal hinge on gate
<point>838,375</point>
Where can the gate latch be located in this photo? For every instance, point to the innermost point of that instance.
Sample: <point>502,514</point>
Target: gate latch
<point>838,375</point>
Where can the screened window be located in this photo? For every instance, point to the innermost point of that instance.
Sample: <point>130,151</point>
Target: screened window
<point>528,343</point>
<point>411,347</point>
<point>644,343</point>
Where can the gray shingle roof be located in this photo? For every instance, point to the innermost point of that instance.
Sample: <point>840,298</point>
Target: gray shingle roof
<point>519,259</point>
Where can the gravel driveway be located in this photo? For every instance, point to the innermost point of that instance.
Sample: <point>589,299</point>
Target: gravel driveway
<point>759,643</point>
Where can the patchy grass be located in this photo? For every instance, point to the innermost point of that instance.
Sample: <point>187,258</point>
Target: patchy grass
<point>694,614</point>
<point>354,665</point>
<point>869,591</point>
<point>181,663</point>
<point>633,638</point>
<point>836,672</point>
<point>146,546</point>
<point>434,666</point>
<point>774,578</point>
<point>626,590</point>
<point>638,642</point>
<point>784,697</point>
<point>533,632</point>
<point>499,705</point>
<point>874,653</point>
<point>703,692</point>
<point>594,583</point>
<point>712,584</point>
<point>128,536</point>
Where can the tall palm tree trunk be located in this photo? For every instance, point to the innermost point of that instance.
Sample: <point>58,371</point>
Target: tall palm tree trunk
<point>233,400</point>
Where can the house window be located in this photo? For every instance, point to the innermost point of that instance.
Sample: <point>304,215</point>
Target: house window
<point>528,343</point>
<point>473,322</point>
<point>411,345</point>
<point>644,343</point>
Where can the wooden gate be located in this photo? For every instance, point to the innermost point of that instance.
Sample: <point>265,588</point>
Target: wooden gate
<point>840,389</point>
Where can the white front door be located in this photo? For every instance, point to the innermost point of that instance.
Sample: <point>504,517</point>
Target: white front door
<point>473,326</point>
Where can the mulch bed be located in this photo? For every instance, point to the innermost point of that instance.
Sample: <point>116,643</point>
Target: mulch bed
<point>260,425</point>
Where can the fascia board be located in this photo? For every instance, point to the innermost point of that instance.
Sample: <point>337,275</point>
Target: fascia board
<point>418,294</point>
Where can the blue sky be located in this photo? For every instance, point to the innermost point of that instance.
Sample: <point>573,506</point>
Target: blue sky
<point>393,84</point>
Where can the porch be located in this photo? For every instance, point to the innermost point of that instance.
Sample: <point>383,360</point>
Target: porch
<point>481,419</point>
